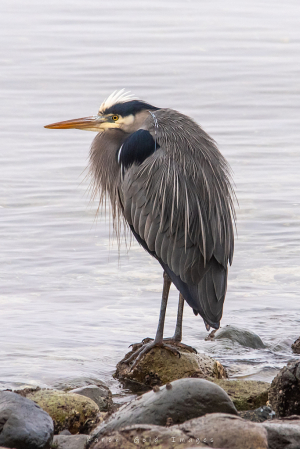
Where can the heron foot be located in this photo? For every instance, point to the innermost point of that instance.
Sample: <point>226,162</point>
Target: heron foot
<point>146,346</point>
<point>168,340</point>
<point>174,342</point>
<point>144,341</point>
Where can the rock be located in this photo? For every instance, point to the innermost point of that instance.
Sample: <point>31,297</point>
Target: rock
<point>100,395</point>
<point>70,442</point>
<point>226,431</point>
<point>149,436</point>
<point>260,414</point>
<point>283,433</point>
<point>67,384</point>
<point>216,430</point>
<point>245,394</point>
<point>23,425</point>
<point>296,346</point>
<point>159,366</point>
<point>284,394</point>
<point>186,399</point>
<point>69,411</point>
<point>25,391</point>
<point>242,336</point>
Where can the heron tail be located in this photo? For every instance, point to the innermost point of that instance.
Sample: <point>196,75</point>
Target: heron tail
<point>207,297</point>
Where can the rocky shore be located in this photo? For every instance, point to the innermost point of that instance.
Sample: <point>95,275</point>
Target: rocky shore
<point>190,403</point>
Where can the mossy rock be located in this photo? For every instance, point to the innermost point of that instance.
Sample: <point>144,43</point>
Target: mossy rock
<point>68,410</point>
<point>284,394</point>
<point>296,346</point>
<point>245,394</point>
<point>159,367</point>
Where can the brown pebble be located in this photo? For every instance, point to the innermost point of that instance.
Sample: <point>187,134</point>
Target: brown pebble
<point>168,386</point>
<point>169,422</point>
<point>155,389</point>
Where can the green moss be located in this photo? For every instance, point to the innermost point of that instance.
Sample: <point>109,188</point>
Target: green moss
<point>68,410</point>
<point>159,366</point>
<point>245,394</point>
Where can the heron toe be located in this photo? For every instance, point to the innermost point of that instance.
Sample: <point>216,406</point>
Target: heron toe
<point>146,347</point>
<point>173,342</point>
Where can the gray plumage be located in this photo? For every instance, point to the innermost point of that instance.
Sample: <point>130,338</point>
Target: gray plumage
<point>166,180</point>
<point>178,203</point>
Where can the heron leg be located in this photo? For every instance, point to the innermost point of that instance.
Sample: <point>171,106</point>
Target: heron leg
<point>177,337</point>
<point>163,308</point>
<point>162,315</point>
<point>178,328</point>
<point>148,344</point>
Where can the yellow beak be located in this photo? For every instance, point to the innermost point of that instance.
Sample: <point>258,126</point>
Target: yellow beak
<point>92,123</point>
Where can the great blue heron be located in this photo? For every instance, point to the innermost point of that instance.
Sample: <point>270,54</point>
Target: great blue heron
<point>166,177</point>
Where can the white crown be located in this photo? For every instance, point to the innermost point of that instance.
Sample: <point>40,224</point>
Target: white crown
<point>118,96</point>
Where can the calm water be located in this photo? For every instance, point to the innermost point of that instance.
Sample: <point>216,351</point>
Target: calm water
<point>70,305</point>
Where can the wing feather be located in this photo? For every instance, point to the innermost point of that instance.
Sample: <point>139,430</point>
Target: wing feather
<point>152,234</point>
<point>179,202</point>
<point>158,243</point>
<point>175,259</point>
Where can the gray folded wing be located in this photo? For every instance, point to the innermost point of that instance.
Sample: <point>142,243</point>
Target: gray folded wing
<point>180,209</point>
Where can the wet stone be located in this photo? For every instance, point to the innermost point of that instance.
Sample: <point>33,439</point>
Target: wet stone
<point>100,395</point>
<point>67,384</point>
<point>69,411</point>
<point>238,335</point>
<point>260,414</point>
<point>296,346</point>
<point>216,430</point>
<point>187,399</point>
<point>245,394</point>
<point>23,425</point>
<point>69,442</point>
<point>284,394</point>
<point>159,366</point>
<point>283,433</point>
<point>148,436</point>
<point>226,431</point>
<point>65,432</point>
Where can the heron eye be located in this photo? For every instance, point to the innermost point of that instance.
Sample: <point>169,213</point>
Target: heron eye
<point>115,118</point>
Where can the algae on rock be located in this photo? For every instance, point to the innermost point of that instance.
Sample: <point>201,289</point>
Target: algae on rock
<point>159,366</point>
<point>296,346</point>
<point>68,410</point>
<point>284,394</point>
<point>245,394</point>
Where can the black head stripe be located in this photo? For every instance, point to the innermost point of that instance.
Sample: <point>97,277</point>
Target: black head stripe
<point>137,148</point>
<point>128,108</point>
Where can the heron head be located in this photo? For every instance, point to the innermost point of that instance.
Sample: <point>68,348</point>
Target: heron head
<point>120,110</point>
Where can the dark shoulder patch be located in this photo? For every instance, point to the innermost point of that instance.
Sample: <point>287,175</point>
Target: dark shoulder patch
<point>136,148</point>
